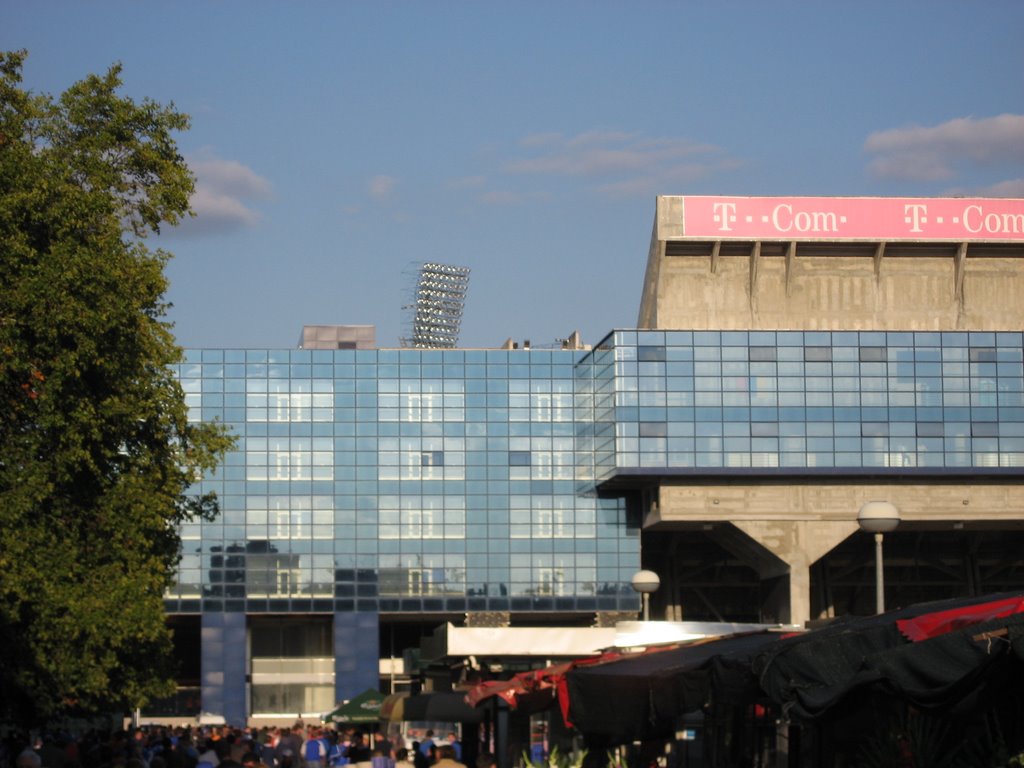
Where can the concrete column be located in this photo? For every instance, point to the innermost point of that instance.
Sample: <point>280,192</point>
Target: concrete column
<point>356,653</point>
<point>799,544</point>
<point>224,665</point>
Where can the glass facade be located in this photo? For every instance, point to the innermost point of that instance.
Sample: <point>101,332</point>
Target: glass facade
<point>375,483</point>
<point>393,481</point>
<point>795,402</point>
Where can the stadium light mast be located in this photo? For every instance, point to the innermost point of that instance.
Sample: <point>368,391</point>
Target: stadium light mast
<point>437,306</point>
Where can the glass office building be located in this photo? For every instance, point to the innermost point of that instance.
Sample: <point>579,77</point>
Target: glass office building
<point>390,483</point>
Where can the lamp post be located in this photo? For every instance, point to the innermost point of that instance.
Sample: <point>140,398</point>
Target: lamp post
<point>646,582</point>
<point>878,517</point>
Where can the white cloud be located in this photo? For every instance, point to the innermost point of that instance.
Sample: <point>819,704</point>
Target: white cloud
<point>214,208</point>
<point>935,153</point>
<point>223,189</point>
<point>381,186</point>
<point>669,178</point>
<point>618,163</point>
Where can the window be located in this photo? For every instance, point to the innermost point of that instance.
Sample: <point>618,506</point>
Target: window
<point>548,406</point>
<point>647,354</point>
<point>421,406</point>
<point>983,354</point>
<point>653,429</point>
<point>422,465</point>
<point>432,459</point>
<point>550,581</point>
<point>420,523</point>
<point>290,406</point>
<point>421,575</point>
<point>415,581</point>
<point>551,521</point>
<point>429,517</point>
<point>872,354</point>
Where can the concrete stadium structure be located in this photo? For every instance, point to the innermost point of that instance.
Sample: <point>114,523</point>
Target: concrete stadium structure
<point>872,265</point>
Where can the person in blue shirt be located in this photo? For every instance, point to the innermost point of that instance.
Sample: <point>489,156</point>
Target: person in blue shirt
<point>427,745</point>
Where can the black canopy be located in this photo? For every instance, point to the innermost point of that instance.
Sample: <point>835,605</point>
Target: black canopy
<point>643,696</point>
<point>441,706</point>
<point>812,673</point>
<point>966,651</point>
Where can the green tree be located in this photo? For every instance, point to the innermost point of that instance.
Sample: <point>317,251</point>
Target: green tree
<point>97,456</point>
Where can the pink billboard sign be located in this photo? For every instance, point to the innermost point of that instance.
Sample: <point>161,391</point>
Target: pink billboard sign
<point>853,218</point>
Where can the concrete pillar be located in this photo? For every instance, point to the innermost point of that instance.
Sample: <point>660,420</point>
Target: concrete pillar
<point>356,653</point>
<point>798,544</point>
<point>224,665</point>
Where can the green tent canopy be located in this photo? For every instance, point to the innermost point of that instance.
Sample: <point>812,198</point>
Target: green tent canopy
<point>364,708</point>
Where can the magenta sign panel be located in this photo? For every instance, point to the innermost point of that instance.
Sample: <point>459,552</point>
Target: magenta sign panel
<point>853,218</point>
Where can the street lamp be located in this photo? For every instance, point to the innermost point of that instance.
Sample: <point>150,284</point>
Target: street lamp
<point>878,517</point>
<point>646,582</point>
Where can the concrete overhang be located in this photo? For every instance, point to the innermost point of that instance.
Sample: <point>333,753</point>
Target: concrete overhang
<point>635,478</point>
<point>450,641</point>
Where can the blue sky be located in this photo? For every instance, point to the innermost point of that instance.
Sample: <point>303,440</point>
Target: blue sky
<point>338,144</point>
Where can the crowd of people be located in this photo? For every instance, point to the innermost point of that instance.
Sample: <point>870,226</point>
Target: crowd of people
<point>301,746</point>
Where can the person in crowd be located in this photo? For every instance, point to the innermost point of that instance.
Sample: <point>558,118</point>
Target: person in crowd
<point>337,753</point>
<point>51,754</point>
<point>252,760</point>
<point>188,751</point>
<point>288,752</point>
<point>28,758</point>
<point>208,757</point>
<point>486,760</point>
<point>537,752</point>
<point>402,759</point>
<point>314,751</point>
<point>446,757</point>
<point>381,742</point>
<point>427,745</point>
<point>358,749</point>
<point>453,741</point>
<point>379,760</point>
<point>419,760</point>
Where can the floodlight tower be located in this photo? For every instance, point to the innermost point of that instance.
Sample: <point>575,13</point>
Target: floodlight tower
<point>438,305</point>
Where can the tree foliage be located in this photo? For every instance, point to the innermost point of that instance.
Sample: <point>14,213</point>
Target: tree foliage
<point>97,456</point>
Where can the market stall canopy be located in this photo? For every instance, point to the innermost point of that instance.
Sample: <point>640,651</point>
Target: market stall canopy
<point>936,623</point>
<point>442,706</point>
<point>364,708</point>
<point>964,647</point>
<point>529,692</point>
<point>393,707</point>
<point>654,689</point>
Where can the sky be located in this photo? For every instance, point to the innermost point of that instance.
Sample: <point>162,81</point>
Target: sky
<point>339,145</point>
